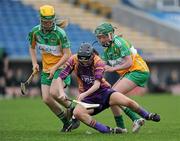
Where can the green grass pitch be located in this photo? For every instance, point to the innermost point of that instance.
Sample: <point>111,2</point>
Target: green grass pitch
<point>26,119</point>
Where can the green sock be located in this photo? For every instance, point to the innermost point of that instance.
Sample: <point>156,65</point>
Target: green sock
<point>119,121</point>
<point>132,115</point>
<point>63,118</point>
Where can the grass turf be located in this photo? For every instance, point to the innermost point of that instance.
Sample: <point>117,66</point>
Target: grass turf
<point>26,119</point>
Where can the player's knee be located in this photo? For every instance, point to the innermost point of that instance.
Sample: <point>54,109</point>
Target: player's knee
<point>131,104</point>
<point>53,93</point>
<point>77,113</point>
<point>46,99</point>
<point>61,98</point>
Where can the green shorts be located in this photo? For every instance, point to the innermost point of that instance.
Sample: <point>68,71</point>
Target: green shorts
<point>46,81</point>
<point>138,77</point>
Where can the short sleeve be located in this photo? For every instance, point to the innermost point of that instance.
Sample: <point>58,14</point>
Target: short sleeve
<point>32,40</point>
<point>124,47</point>
<point>65,43</point>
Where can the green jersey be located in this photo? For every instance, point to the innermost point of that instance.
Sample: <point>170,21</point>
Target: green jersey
<point>115,53</point>
<point>120,48</point>
<point>50,44</point>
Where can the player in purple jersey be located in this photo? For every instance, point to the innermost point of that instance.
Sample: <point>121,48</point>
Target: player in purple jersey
<point>94,89</point>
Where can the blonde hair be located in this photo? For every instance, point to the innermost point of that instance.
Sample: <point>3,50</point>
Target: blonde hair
<point>62,23</point>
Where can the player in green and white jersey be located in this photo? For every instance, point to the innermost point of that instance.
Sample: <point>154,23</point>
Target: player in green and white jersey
<point>122,57</point>
<point>54,45</point>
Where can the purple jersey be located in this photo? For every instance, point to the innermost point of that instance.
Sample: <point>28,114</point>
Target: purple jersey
<point>86,75</point>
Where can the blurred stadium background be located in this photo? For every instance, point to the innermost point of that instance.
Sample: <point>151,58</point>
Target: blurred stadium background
<point>151,26</point>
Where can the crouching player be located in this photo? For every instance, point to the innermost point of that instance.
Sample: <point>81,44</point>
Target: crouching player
<point>94,89</point>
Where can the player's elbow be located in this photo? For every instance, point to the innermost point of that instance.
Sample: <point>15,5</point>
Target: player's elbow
<point>130,63</point>
<point>69,54</point>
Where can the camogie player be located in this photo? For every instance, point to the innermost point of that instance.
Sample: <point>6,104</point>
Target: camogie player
<point>94,89</point>
<point>54,45</point>
<point>121,57</point>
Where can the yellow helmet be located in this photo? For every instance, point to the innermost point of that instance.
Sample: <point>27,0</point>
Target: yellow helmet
<point>47,12</point>
<point>47,16</point>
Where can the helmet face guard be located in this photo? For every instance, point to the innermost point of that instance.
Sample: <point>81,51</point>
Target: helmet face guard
<point>85,61</point>
<point>85,54</point>
<point>47,25</point>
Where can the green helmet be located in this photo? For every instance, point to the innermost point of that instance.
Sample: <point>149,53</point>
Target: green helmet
<point>104,29</point>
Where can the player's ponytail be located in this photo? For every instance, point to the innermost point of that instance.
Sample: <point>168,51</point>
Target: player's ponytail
<point>62,23</point>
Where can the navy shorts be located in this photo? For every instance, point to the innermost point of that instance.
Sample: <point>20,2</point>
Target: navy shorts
<point>101,97</point>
